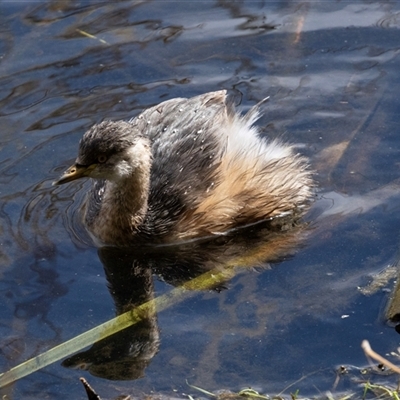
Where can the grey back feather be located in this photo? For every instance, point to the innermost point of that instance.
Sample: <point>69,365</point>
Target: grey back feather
<point>186,155</point>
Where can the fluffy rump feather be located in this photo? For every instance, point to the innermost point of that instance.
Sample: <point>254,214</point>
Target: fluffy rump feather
<point>257,180</point>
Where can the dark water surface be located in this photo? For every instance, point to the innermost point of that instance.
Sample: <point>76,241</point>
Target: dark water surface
<point>332,72</point>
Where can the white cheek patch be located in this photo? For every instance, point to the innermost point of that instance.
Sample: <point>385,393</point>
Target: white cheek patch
<point>122,170</point>
<point>133,160</point>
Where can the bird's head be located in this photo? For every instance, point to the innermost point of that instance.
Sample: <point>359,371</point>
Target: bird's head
<point>111,151</point>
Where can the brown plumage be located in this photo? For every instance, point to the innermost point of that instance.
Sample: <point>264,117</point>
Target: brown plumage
<point>186,168</point>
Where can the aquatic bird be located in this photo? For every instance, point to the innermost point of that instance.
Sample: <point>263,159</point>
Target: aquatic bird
<point>184,169</point>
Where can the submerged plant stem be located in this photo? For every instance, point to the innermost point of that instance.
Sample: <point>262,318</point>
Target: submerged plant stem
<point>377,357</point>
<point>206,281</point>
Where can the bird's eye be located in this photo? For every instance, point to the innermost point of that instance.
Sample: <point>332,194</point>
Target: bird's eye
<point>102,158</point>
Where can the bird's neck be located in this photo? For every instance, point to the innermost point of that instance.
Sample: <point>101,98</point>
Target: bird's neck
<point>130,196</point>
<point>124,207</point>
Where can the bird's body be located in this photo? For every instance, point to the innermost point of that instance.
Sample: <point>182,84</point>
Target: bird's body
<point>183,169</point>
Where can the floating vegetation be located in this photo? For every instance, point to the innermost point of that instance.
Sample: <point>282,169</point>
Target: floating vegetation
<point>84,33</point>
<point>365,390</point>
<point>360,378</point>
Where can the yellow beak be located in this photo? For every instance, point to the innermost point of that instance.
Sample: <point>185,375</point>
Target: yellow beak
<point>76,171</point>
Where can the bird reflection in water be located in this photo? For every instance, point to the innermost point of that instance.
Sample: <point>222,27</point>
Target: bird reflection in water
<point>126,354</point>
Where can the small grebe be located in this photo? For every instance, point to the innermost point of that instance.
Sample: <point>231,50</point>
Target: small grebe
<point>183,169</point>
